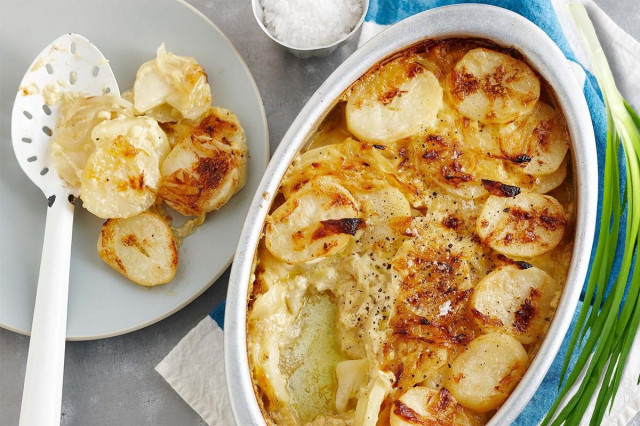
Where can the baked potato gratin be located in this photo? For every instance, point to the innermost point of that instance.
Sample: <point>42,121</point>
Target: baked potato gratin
<point>162,142</point>
<point>413,258</point>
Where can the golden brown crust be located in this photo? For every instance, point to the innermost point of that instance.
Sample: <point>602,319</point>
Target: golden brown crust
<point>183,189</point>
<point>141,247</point>
<point>462,83</point>
<point>214,149</point>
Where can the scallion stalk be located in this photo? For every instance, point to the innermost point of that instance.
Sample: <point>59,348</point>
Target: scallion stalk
<point>606,327</point>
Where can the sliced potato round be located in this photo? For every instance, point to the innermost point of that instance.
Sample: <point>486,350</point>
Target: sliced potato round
<point>319,220</point>
<point>354,164</point>
<point>484,138</point>
<point>540,184</point>
<point>396,100</point>
<point>421,405</point>
<point>120,178</point>
<point>492,87</point>
<point>71,144</point>
<point>454,164</point>
<point>526,225</point>
<point>382,205</point>
<point>144,131</point>
<point>142,248</point>
<point>170,87</point>
<point>514,301</point>
<point>443,159</point>
<point>482,377</point>
<point>207,166</point>
<point>539,143</point>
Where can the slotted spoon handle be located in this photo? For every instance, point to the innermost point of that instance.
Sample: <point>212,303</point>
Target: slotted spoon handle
<point>69,64</point>
<point>42,396</point>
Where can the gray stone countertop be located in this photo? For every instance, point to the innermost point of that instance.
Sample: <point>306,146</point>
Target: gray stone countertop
<point>113,381</point>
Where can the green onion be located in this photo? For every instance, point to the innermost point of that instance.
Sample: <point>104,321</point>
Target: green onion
<point>606,327</point>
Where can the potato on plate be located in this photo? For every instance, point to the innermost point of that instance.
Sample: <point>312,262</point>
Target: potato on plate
<point>122,175</point>
<point>207,166</point>
<point>142,248</point>
<point>171,87</point>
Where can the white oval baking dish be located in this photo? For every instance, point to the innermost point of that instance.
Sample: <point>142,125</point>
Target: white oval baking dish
<point>478,21</point>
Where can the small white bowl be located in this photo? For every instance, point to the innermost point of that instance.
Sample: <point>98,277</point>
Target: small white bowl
<point>308,52</point>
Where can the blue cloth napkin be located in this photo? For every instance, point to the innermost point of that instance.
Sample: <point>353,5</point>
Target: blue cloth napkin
<point>218,314</point>
<point>542,13</point>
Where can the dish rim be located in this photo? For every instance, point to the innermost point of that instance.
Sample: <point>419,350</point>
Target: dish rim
<point>457,21</point>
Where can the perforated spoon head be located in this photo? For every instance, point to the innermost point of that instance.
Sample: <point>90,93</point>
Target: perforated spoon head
<point>71,63</point>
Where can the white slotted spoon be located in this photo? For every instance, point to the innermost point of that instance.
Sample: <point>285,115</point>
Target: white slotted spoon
<point>69,64</point>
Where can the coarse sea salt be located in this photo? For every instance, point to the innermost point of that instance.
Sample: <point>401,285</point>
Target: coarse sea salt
<point>445,308</point>
<point>310,23</point>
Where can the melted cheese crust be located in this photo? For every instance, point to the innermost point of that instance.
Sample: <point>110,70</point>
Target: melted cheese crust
<point>403,267</point>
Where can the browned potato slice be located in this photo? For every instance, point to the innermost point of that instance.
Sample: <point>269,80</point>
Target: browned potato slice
<point>142,248</point>
<point>396,100</point>
<point>455,160</point>
<point>443,158</point>
<point>492,87</point>
<point>494,164</point>
<point>540,142</point>
<point>539,184</point>
<point>421,405</point>
<point>482,377</point>
<point>515,301</point>
<point>354,165</point>
<point>121,177</point>
<point>526,225</point>
<point>319,220</point>
<point>207,167</point>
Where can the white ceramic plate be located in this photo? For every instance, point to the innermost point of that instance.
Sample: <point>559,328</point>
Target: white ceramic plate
<point>102,303</point>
